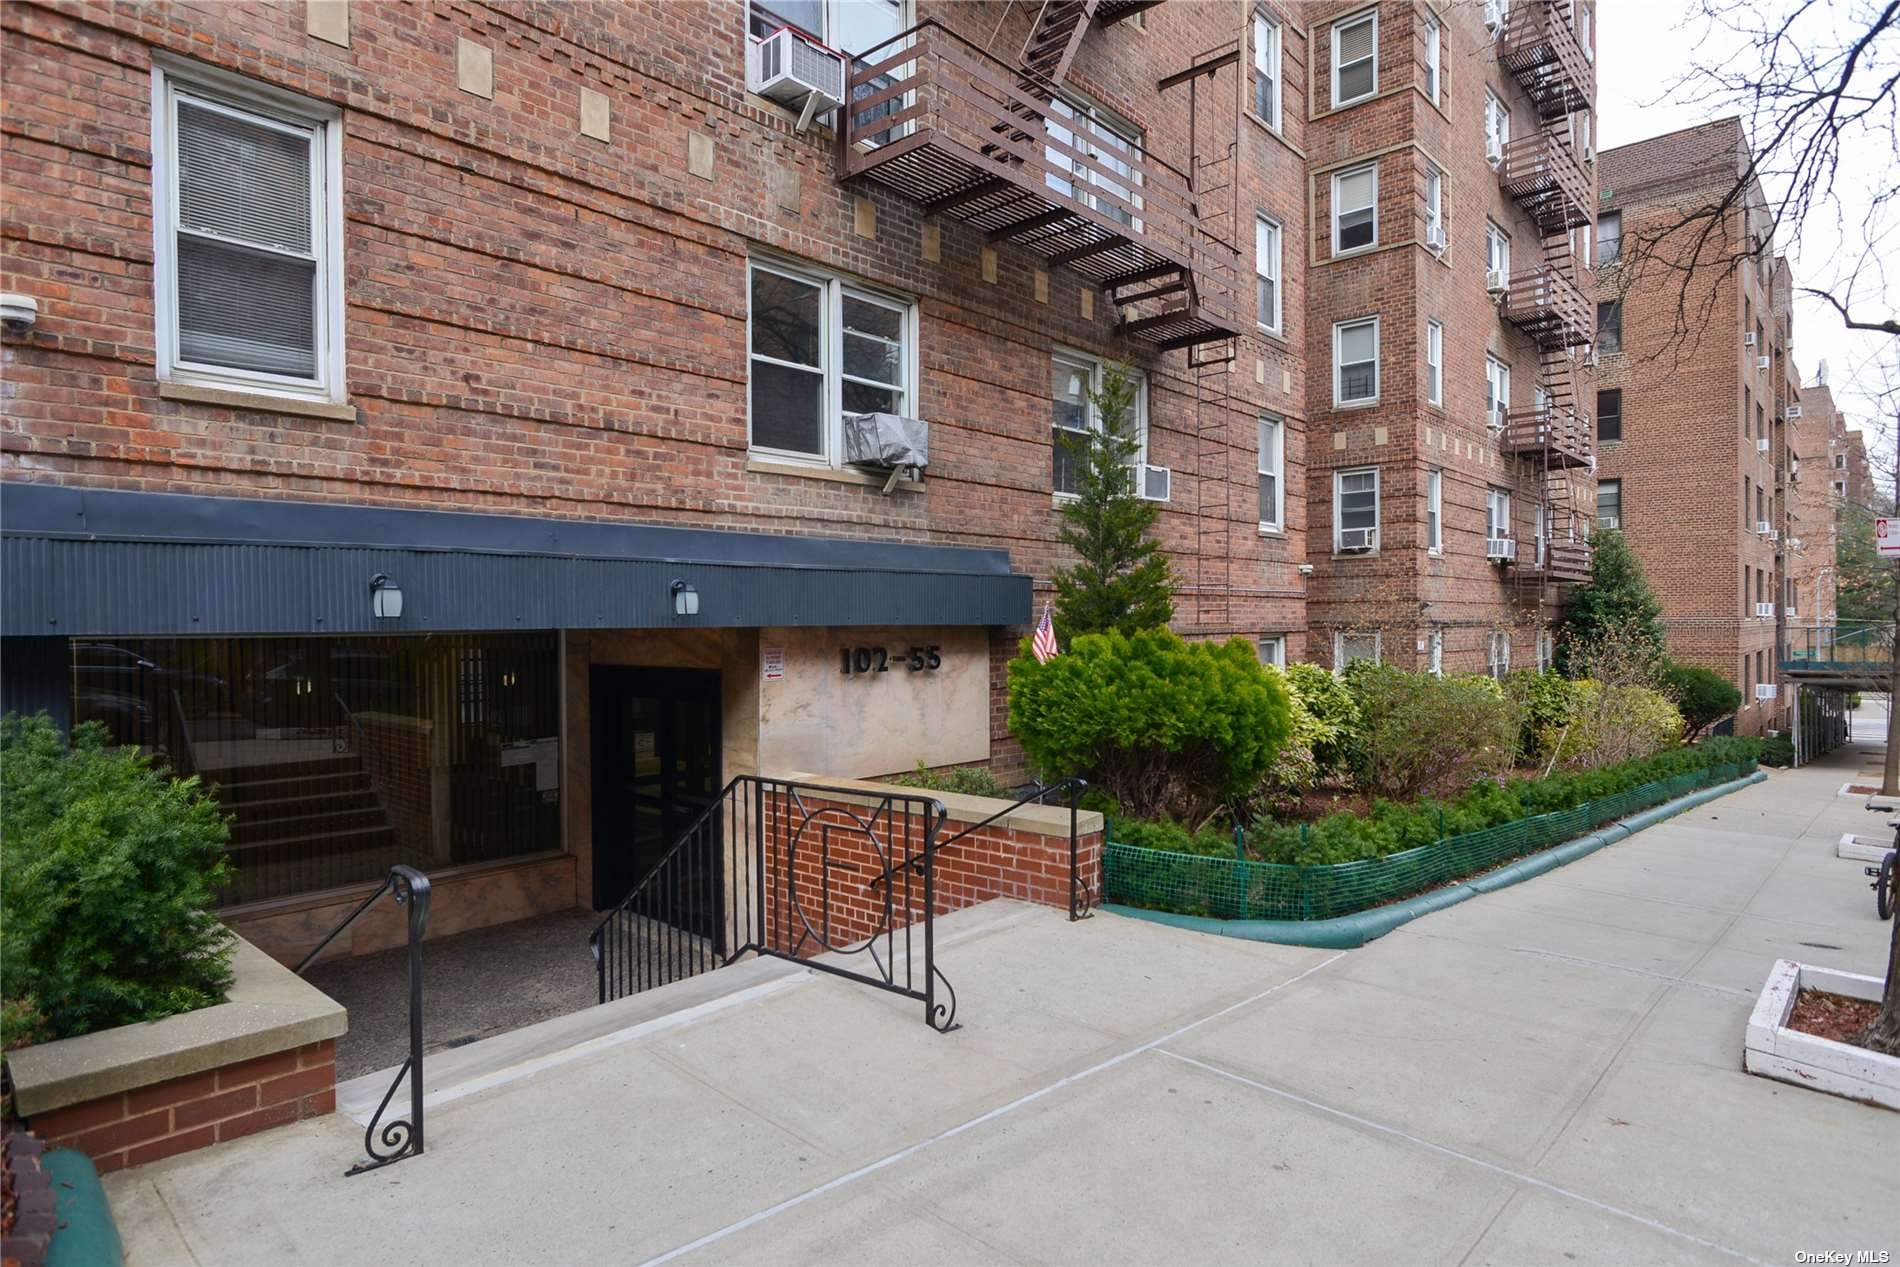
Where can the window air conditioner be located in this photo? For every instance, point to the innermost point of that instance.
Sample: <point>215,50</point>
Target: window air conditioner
<point>795,70</point>
<point>1435,236</point>
<point>1609,521</point>
<point>1794,411</point>
<point>1495,282</point>
<point>1765,610</point>
<point>1156,483</point>
<point>1765,690</point>
<point>1748,339</point>
<point>1773,534</point>
<point>1493,150</point>
<point>1494,15</point>
<point>1788,612</point>
<point>1761,362</point>
<point>1500,549</point>
<point>889,442</point>
<point>1761,445</point>
<point>1357,540</point>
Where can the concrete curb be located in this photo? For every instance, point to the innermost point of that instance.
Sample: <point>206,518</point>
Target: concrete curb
<point>1345,932</point>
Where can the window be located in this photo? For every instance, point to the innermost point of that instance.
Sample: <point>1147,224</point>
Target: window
<point>1540,531</point>
<point>1348,647</point>
<point>1610,415</point>
<point>1112,145</point>
<point>852,26</point>
<point>1437,653</point>
<point>1266,267</point>
<point>1356,509</point>
<point>1075,381</point>
<point>1761,422</point>
<point>1583,32</point>
<point>1497,512</point>
<point>248,265</point>
<point>1748,495</point>
<point>1497,392</point>
<point>1355,58</point>
<point>1609,503</point>
<point>1498,654</point>
<point>1435,511</point>
<point>1609,237</point>
<point>1748,408</point>
<point>1434,54</point>
<point>1435,362</point>
<point>1580,245</point>
<point>1435,209</point>
<point>1272,649</point>
<point>1610,327</point>
<point>822,348</point>
<point>1583,135</point>
<point>1266,70</point>
<point>1355,209</point>
<point>1272,475</point>
<point>1545,651</point>
<point>1497,257</point>
<point>1497,128</point>
<point>1356,362</point>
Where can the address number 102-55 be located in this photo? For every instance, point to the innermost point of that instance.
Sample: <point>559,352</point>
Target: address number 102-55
<point>856,660</point>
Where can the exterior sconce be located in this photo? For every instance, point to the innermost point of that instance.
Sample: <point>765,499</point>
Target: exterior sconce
<point>685,599</point>
<point>385,597</point>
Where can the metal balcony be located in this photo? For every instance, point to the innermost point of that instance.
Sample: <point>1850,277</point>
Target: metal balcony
<point>1545,302</point>
<point>1561,434</point>
<point>938,121</point>
<point>1543,174</point>
<point>1557,562</point>
<point>1541,49</point>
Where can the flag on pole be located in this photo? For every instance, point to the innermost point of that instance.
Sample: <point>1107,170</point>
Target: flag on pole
<point>1044,645</point>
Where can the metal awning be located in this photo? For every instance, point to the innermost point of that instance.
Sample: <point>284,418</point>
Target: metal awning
<point>77,561</point>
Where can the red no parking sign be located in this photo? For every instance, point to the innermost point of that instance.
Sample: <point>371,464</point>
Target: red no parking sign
<point>1887,538</point>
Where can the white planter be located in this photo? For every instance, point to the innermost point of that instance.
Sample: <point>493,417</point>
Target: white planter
<point>1775,1051</point>
<point>1864,848</point>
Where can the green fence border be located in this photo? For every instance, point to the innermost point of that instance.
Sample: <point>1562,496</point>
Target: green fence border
<point>1201,881</point>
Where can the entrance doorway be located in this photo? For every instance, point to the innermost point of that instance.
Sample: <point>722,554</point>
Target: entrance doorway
<point>656,768</point>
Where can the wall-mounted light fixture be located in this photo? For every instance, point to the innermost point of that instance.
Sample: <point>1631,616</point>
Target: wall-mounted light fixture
<point>385,597</point>
<point>685,599</point>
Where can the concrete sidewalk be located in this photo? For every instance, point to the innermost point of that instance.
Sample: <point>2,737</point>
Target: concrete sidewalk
<point>1551,1073</point>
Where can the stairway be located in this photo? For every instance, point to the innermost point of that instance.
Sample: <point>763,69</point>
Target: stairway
<point>299,826</point>
<point>1054,37</point>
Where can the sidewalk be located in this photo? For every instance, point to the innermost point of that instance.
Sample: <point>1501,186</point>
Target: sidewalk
<point>1551,1073</point>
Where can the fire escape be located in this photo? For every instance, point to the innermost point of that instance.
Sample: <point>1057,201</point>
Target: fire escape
<point>937,120</point>
<point>1544,174</point>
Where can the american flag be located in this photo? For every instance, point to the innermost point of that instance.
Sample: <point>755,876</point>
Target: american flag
<point>1044,645</point>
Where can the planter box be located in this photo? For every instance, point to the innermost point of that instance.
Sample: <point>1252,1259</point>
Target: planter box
<point>1864,848</point>
<point>1775,1051</point>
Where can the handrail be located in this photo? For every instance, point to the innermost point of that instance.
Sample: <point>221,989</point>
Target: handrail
<point>686,835</point>
<point>1074,786</point>
<point>184,737</point>
<point>402,1137</point>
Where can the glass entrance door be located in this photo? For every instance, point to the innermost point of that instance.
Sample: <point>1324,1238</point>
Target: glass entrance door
<point>656,768</point>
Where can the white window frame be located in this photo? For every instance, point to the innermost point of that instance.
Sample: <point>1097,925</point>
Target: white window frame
<point>1546,650</point>
<point>1497,392</point>
<point>1339,377</point>
<point>1434,204</point>
<point>1339,492</point>
<point>1267,63</point>
<point>1497,126</point>
<point>173,80</point>
<point>1095,367</point>
<point>1272,461</point>
<point>1268,242</point>
<point>1271,648</point>
<point>1497,512</point>
<point>834,290</point>
<point>1363,169</point>
<point>1434,361</point>
<point>1372,16</point>
<point>1434,60</point>
<point>1340,638</point>
<point>1497,253</point>
<point>1434,511</point>
<point>1497,654</point>
<point>1606,256</point>
<point>1083,186</point>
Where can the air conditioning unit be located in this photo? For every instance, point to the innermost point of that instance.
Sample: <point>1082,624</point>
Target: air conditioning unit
<point>797,71</point>
<point>1500,549</point>
<point>1765,690</point>
<point>1761,445</point>
<point>1493,150</point>
<point>1761,362</point>
<point>1765,610</point>
<point>1156,483</point>
<point>1494,15</point>
<point>1788,612</point>
<point>887,442</point>
<point>1496,282</point>
<point>1763,527</point>
<point>1773,534</point>
<point>1794,411</point>
<point>1357,540</point>
<point>1610,521</point>
<point>1435,236</point>
<point>1748,339</point>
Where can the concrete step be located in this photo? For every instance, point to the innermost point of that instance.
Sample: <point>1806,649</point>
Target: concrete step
<point>305,824</point>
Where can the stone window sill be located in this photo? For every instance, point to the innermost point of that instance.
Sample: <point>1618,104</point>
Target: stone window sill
<point>864,479</point>
<point>257,402</point>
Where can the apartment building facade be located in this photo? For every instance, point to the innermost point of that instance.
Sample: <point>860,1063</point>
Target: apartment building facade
<point>1817,479</point>
<point>434,412</point>
<point>1451,173</point>
<point>1700,381</point>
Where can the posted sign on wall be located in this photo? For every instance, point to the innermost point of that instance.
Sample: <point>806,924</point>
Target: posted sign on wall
<point>1887,538</point>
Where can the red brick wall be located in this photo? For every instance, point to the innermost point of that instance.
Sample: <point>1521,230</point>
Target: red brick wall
<point>176,1116</point>
<point>397,756</point>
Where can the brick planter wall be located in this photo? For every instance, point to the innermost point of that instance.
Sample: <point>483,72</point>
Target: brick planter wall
<point>130,1128</point>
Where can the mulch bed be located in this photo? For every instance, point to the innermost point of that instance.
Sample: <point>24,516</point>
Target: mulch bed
<point>1834,1016</point>
<point>1863,789</point>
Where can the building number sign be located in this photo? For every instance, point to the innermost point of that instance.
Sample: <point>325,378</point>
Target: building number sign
<point>853,661</point>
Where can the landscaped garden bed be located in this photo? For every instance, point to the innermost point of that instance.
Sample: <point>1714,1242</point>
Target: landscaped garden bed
<point>1798,1034</point>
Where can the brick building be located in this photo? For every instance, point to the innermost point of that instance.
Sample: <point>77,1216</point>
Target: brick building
<point>435,413</point>
<point>1698,475</point>
<point>1817,478</point>
<point>1451,174</point>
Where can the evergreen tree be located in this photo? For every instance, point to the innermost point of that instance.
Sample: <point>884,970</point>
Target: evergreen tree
<point>1614,608</point>
<point>1120,580</point>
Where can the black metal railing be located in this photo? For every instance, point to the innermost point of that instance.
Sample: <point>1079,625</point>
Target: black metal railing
<point>1081,900</point>
<point>402,1137</point>
<point>777,868</point>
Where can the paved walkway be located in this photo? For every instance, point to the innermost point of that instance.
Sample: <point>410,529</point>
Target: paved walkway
<point>1548,1074</point>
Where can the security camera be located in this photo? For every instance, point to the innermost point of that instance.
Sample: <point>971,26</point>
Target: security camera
<point>1306,569</point>
<point>18,312</point>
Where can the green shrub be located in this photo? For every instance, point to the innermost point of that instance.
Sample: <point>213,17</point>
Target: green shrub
<point>1611,724</point>
<point>1335,716</point>
<point>109,871</point>
<point>1777,751</point>
<point>1421,733</point>
<point>1171,837</point>
<point>1544,700</point>
<point>1853,701</point>
<point>1162,727</point>
<point>1701,695</point>
<point>970,780</point>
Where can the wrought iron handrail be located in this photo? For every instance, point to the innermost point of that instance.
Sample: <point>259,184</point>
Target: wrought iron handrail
<point>402,1137</point>
<point>1081,901</point>
<point>190,758</point>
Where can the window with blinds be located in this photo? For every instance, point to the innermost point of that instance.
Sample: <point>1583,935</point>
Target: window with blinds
<point>247,290</point>
<point>1355,58</point>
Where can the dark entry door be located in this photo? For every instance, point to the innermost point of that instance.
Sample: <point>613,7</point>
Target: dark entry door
<point>656,768</point>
